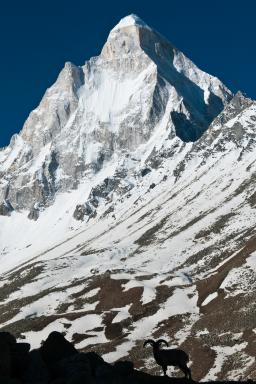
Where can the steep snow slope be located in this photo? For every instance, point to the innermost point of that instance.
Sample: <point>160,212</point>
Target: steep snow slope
<point>138,233</point>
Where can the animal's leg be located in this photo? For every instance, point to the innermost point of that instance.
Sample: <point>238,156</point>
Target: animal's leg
<point>164,367</point>
<point>189,373</point>
<point>186,371</point>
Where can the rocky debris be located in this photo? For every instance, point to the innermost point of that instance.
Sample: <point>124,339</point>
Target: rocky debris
<point>34,214</point>
<point>108,211</point>
<point>83,210</point>
<point>6,208</point>
<point>103,190</point>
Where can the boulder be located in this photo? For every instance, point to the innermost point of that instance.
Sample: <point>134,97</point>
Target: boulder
<point>56,348</point>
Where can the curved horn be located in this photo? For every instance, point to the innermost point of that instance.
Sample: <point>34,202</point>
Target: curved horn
<point>149,341</point>
<point>162,341</point>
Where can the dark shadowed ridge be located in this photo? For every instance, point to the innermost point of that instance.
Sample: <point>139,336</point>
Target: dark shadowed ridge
<point>58,362</point>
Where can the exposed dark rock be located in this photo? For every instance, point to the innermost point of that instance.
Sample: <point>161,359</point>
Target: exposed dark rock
<point>6,208</point>
<point>94,202</point>
<point>56,348</point>
<point>83,210</point>
<point>102,191</point>
<point>108,211</point>
<point>145,171</point>
<point>33,214</point>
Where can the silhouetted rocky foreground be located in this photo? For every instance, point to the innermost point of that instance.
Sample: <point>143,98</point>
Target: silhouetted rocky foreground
<point>58,362</point>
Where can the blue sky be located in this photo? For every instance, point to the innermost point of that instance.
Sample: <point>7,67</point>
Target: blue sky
<point>37,37</point>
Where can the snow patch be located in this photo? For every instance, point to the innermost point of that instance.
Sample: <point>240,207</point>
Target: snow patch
<point>209,298</point>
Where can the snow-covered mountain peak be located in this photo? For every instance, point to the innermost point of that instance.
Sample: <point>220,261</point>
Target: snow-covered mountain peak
<point>131,20</point>
<point>132,36</point>
<point>139,94</point>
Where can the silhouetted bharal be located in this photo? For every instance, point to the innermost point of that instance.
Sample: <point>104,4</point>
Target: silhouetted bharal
<point>169,357</point>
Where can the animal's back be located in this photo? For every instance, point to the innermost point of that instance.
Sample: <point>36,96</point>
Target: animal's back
<point>174,356</point>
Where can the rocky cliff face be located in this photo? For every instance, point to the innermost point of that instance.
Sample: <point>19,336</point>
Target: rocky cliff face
<point>141,190</point>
